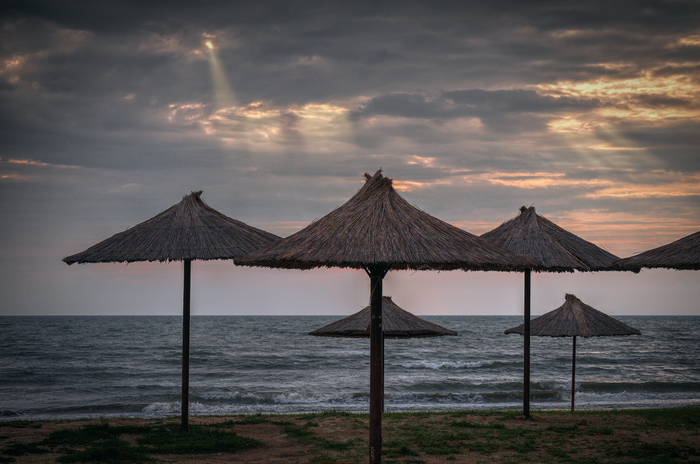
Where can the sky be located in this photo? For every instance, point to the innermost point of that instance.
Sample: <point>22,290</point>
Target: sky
<point>112,111</point>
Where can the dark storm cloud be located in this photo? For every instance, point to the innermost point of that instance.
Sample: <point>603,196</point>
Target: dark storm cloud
<point>675,145</point>
<point>382,45</point>
<point>497,109</point>
<point>87,101</point>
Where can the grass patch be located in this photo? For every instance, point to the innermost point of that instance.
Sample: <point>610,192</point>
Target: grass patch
<point>112,451</point>
<point>197,440</point>
<point>306,436</point>
<point>671,419</point>
<point>21,424</point>
<point>246,420</point>
<point>281,422</point>
<point>103,443</point>
<point>563,429</point>
<point>20,449</point>
<point>556,452</point>
<point>583,437</point>
<point>324,459</point>
<point>336,445</point>
<point>657,452</point>
<point>89,434</point>
<point>521,447</point>
<point>421,439</point>
<point>302,434</point>
<point>465,424</point>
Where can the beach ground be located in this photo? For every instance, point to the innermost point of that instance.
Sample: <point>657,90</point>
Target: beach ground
<point>626,436</point>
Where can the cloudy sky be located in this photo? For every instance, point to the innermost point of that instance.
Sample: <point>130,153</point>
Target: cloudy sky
<point>111,111</point>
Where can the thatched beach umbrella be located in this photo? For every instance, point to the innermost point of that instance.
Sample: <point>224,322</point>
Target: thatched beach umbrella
<point>532,235</point>
<point>575,319</point>
<point>684,253</point>
<point>377,230</point>
<point>396,323</point>
<point>187,231</point>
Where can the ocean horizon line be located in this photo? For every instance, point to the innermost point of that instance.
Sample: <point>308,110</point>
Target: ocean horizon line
<point>319,315</point>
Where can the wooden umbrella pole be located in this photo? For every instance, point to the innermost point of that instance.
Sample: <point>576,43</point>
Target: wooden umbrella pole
<point>376,374</point>
<point>186,346</point>
<point>526,347</point>
<point>573,375</point>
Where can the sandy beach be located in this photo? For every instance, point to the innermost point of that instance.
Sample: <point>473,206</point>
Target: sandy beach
<point>635,436</point>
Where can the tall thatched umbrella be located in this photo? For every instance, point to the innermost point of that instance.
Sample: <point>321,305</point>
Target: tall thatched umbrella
<point>396,323</point>
<point>377,230</point>
<point>575,319</point>
<point>684,253</point>
<point>186,231</point>
<point>535,236</point>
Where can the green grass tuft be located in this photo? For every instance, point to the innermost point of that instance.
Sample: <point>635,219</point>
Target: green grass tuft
<point>465,424</point>
<point>335,445</point>
<point>20,449</point>
<point>21,424</point>
<point>89,434</point>
<point>246,420</point>
<point>111,451</point>
<point>323,459</point>
<point>197,440</point>
<point>100,443</point>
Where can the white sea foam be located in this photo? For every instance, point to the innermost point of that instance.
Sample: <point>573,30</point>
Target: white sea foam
<point>445,364</point>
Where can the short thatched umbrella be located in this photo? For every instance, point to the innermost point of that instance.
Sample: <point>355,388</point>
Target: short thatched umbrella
<point>684,253</point>
<point>535,236</point>
<point>377,230</point>
<point>575,319</point>
<point>396,323</point>
<point>186,231</point>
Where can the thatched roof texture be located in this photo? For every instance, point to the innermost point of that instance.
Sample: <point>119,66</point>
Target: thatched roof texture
<point>189,230</point>
<point>575,319</point>
<point>684,253</point>
<point>532,235</point>
<point>396,323</point>
<point>378,227</point>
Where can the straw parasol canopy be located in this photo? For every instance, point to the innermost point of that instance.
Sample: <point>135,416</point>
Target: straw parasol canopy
<point>187,231</point>
<point>575,319</point>
<point>377,227</point>
<point>682,254</point>
<point>377,230</point>
<point>559,250</point>
<point>396,323</point>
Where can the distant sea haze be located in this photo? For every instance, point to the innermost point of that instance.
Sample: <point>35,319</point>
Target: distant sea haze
<point>69,367</point>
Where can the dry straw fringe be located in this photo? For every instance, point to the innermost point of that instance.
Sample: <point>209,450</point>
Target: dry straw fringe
<point>189,230</point>
<point>378,227</point>
<point>684,253</point>
<point>559,250</point>
<point>575,319</point>
<point>396,323</point>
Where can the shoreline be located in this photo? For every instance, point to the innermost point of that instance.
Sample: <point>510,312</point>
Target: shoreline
<point>470,436</point>
<point>510,409</point>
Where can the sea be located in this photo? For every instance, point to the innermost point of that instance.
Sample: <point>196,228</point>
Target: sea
<point>102,366</point>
